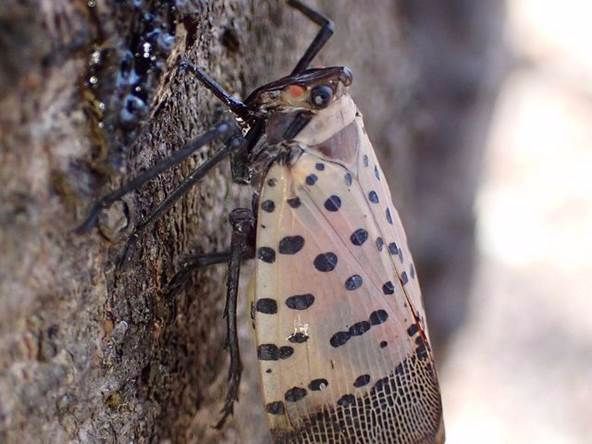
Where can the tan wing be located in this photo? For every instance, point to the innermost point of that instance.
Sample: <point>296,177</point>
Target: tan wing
<point>338,313</point>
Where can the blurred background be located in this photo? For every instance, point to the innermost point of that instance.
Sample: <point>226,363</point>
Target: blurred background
<point>520,368</point>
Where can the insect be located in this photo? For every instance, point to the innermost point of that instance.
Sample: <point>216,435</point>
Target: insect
<point>339,322</point>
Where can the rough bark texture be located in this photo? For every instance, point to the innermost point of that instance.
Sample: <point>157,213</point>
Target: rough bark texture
<point>94,352</point>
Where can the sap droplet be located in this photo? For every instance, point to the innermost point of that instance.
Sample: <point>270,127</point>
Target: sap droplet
<point>133,108</point>
<point>95,58</point>
<point>146,47</point>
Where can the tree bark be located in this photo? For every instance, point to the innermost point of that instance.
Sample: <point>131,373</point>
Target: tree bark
<point>91,95</point>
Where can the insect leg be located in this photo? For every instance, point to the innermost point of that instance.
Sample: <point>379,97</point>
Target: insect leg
<point>224,129</point>
<point>235,105</point>
<point>198,261</point>
<point>232,144</point>
<point>194,263</point>
<point>243,228</point>
<point>240,159</point>
<point>321,38</point>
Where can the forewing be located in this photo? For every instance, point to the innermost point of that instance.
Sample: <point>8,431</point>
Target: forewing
<point>344,356</point>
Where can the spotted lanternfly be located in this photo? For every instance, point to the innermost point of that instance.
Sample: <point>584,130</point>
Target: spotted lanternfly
<point>339,321</point>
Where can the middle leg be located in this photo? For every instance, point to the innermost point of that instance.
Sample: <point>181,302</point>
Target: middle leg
<point>235,143</point>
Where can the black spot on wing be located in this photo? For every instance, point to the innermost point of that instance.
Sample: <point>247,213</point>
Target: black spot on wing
<point>266,306</point>
<point>389,218</point>
<point>268,205</point>
<point>393,249</point>
<point>266,254</point>
<point>271,352</point>
<point>272,182</point>
<point>412,330</point>
<point>421,350</point>
<point>388,288</point>
<point>275,408</point>
<point>348,179</point>
<point>339,338</point>
<point>291,244</point>
<point>320,166</point>
<point>311,179</point>
<point>378,317</point>
<point>404,278</point>
<point>286,351</point>
<point>294,202</point>
<point>333,203</point>
<point>373,197</point>
<point>318,384</point>
<point>359,328</point>
<point>268,352</point>
<point>359,236</point>
<point>361,381</point>
<point>298,338</point>
<point>325,261</point>
<point>379,243</point>
<point>353,282</point>
<point>300,301</point>
<point>295,394</point>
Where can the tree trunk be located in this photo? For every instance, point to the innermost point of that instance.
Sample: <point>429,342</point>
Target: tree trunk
<point>90,95</point>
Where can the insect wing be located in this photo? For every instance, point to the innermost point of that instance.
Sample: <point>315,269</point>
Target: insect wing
<point>339,320</point>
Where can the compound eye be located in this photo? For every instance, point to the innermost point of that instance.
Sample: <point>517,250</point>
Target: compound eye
<point>320,96</point>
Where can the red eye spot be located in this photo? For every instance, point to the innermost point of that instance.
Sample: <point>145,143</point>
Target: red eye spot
<point>295,90</point>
